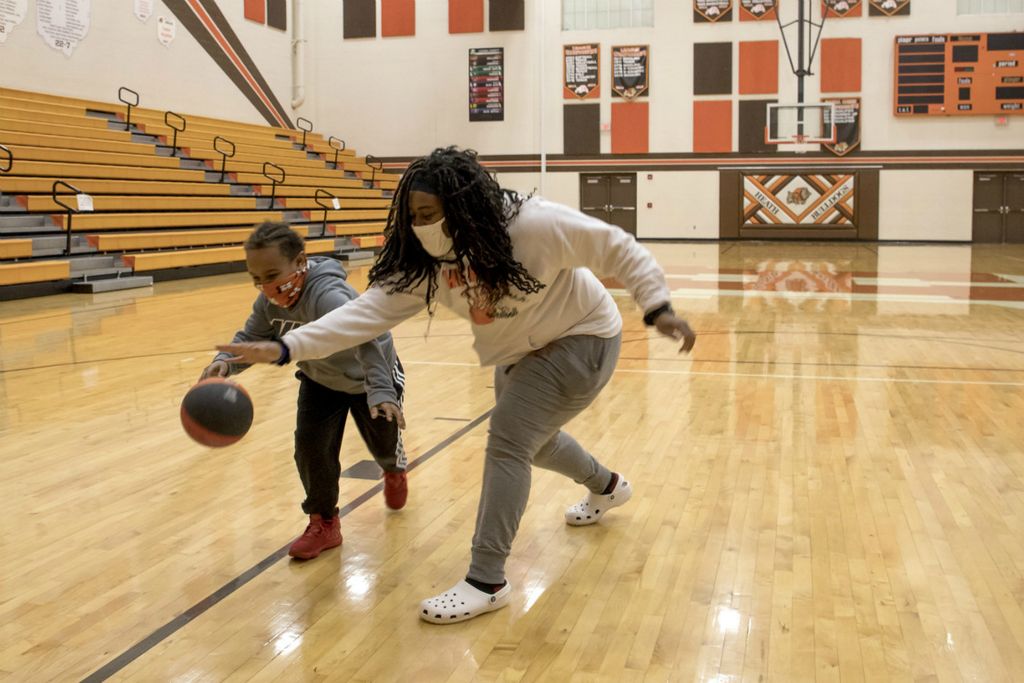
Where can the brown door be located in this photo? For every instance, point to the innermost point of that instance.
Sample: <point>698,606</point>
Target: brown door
<point>610,197</point>
<point>988,207</point>
<point>1013,213</point>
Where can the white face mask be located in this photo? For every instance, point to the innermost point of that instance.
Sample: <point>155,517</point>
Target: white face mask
<point>433,239</point>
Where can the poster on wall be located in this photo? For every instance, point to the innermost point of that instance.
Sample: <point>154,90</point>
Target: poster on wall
<point>143,9</point>
<point>839,9</point>
<point>712,10</point>
<point>631,71</point>
<point>757,10</point>
<point>63,23</point>
<point>847,120</point>
<point>166,29</point>
<point>12,13</point>
<point>888,8</point>
<point>803,199</point>
<point>581,72</point>
<point>487,84</point>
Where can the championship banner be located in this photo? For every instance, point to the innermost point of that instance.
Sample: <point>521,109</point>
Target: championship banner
<point>487,84</point>
<point>581,72</point>
<point>757,10</point>
<point>847,113</point>
<point>804,199</point>
<point>888,8</point>
<point>837,9</point>
<point>630,71</point>
<point>712,10</point>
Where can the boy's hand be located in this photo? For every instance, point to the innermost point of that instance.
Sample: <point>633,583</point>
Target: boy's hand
<point>252,352</point>
<point>217,368</point>
<point>389,411</point>
<point>676,328</point>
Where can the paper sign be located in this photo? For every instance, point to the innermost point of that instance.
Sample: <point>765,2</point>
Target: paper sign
<point>143,9</point>
<point>166,29</point>
<point>12,13</point>
<point>63,23</point>
<point>84,202</point>
<point>335,203</point>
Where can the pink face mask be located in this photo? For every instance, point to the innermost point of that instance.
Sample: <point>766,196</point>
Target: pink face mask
<point>285,291</point>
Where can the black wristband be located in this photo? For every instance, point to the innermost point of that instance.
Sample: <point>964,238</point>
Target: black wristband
<point>286,354</point>
<point>652,315</point>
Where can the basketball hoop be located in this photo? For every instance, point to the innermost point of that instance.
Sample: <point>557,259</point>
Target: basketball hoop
<point>799,139</point>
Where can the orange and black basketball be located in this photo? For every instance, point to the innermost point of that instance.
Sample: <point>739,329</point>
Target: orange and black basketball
<point>216,412</point>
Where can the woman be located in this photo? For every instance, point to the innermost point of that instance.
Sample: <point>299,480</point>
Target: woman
<point>519,269</point>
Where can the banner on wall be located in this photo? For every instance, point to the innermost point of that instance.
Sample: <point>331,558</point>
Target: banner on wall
<point>143,9</point>
<point>837,9</point>
<point>12,13</point>
<point>63,23</point>
<point>631,71</point>
<point>803,199</point>
<point>757,10</point>
<point>166,30</point>
<point>888,8</point>
<point>487,84</point>
<point>712,10</point>
<point>581,72</point>
<point>847,113</point>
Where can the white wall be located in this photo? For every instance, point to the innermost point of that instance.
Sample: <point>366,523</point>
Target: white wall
<point>121,50</point>
<point>416,86</point>
<point>925,205</point>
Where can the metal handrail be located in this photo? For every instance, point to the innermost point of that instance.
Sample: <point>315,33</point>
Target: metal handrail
<point>10,159</point>
<point>320,192</point>
<point>224,154</point>
<point>72,210</point>
<point>370,161</point>
<point>337,150</point>
<point>307,129</point>
<point>274,180</point>
<point>121,96</point>
<point>168,115</point>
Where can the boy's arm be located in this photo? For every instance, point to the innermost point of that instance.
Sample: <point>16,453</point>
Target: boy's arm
<point>257,328</point>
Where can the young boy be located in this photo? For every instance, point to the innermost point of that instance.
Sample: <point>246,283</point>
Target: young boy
<point>366,381</point>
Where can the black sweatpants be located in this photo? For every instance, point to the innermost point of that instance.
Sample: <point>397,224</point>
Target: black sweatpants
<point>319,427</point>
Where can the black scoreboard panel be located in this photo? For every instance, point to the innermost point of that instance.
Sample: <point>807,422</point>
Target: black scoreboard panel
<point>960,74</point>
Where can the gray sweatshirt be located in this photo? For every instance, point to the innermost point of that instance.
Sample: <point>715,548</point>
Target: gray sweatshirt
<point>368,368</point>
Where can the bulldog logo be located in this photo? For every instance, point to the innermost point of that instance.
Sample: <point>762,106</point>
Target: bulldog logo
<point>798,197</point>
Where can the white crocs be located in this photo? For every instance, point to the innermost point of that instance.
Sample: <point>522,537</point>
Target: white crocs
<point>592,508</point>
<point>462,601</point>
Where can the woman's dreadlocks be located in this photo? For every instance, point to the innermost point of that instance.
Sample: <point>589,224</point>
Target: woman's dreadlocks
<point>477,212</point>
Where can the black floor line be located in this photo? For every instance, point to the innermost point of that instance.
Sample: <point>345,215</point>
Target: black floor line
<point>177,623</point>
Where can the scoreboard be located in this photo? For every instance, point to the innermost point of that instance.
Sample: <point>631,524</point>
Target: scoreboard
<point>959,74</point>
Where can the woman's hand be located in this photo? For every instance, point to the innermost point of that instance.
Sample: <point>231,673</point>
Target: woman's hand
<point>676,328</point>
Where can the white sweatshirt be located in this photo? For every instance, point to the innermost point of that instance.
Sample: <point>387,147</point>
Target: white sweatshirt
<point>559,246</point>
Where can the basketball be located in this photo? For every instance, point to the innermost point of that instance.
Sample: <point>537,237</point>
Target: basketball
<point>216,412</point>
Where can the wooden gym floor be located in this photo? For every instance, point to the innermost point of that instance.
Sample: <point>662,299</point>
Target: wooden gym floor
<point>830,488</point>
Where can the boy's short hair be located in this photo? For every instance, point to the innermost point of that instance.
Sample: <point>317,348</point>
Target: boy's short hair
<point>268,234</point>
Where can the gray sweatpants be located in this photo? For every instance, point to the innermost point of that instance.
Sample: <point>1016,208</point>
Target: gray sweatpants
<point>534,398</point>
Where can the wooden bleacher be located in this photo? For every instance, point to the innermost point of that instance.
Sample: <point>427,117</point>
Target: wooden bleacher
<point>157,213</point>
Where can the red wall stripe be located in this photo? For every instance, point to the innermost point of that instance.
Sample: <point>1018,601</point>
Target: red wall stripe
<point>629,128</point>
<point>465,16</point>
<point>398,17</point>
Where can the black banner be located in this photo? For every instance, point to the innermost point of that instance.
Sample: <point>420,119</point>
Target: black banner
<point>712,10</point>
<point>847,120</point>
<point>757,10</point>
<point>581,72</point>
<point>888,8</point>
<point>487,84</point>
<point>630,71</point>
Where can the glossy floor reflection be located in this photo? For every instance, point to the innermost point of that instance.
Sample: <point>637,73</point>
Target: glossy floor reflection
<point>830,488</point>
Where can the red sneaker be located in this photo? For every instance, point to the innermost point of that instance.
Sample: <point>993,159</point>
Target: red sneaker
<point>396,490</point>
<point>319,535</point>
